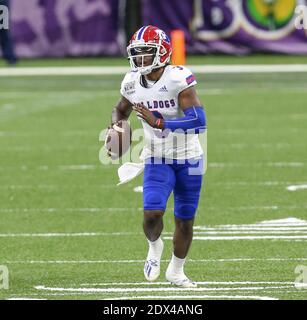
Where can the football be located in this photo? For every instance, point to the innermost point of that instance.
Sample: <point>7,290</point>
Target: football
<point>118,139</point>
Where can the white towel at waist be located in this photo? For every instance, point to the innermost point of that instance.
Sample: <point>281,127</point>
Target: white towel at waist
<point>129,171</point>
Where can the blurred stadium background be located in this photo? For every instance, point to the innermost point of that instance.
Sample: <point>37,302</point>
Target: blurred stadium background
<point>68,232</point>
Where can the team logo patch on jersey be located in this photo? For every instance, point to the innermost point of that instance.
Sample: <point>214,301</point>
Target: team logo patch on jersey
<point>190,79</point>
<point>163,89</point>
<point>130,87</point>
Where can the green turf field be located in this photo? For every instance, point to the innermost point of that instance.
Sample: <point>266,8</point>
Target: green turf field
<point>68,232</point>
<point>198,60</point>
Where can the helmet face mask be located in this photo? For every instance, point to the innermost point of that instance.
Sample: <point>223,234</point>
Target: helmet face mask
<point>143,57</point>
<point>149,49</point>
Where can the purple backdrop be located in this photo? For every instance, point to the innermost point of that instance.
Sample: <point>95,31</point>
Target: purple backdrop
<point>65,27</point>
<point>91,27</point>
<point>234,27</point>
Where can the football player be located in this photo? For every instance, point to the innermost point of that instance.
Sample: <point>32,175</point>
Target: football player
<point>164,99</point>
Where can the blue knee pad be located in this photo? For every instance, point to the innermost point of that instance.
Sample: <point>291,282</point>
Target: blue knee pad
<point>187,190</point>
<point>158,183</point>
<point>185,211</point>
<point>153,200</point>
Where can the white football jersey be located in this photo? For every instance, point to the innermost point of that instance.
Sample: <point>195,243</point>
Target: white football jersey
<point>161,98</point>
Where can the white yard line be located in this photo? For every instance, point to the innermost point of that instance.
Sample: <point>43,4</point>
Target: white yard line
<point>269,164</point>
<point>297,187</point>
<point>248,228</point>
<point>142,261</point>
<point>9,210</point>
<point>72,234</point>
<point>251,232</point>
<point>194,297</point>
<point>304,240</point>
<point>78,167</point>
<point>73,261</point>
<point>259,183</point>
<point>215,165</point>
<point>170,289</point>
<point>231,283</point>
<point>248,68</point>
<point>179,296</point>
<point>230,238</point>
<point>119,70</point>
<point>279,235</point>
<point>99,234</point>
<point>53,148</point>
<point>36,133</point>
<point>247,259</point>
<point>25,298</point>
<point>125,209</point>
<point>225,183</point>
<point>300,285</point>
<point>284,223</point>
<point>281,229</point>
<point>29,186</point>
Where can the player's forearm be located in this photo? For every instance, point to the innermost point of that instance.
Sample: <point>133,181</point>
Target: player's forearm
<point>122,110</point>
<point>195,119</point>
<point>118,115</point>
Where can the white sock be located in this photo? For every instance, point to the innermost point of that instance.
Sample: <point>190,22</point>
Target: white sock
<point>176,265</point>
<point>155,249</point>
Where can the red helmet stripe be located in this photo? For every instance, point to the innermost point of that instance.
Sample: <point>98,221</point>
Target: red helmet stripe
<point>146,33</point>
